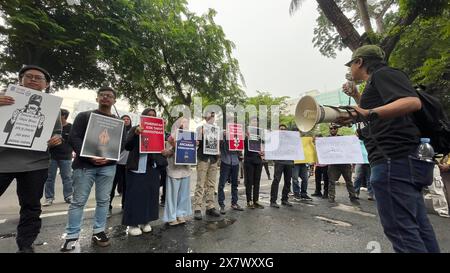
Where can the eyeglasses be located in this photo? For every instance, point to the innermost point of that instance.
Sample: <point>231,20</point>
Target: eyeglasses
<point>38,78</point>
<point>109,96</point>
<point>333,128</point>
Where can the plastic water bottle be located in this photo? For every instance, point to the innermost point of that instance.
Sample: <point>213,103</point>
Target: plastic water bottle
<point>425,151</point>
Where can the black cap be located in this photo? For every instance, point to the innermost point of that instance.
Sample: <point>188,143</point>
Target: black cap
<point>28,67</point>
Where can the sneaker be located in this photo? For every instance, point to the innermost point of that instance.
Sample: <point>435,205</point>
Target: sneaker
<point>212,212</point>
<point>250,205</point>
<point>134,231</point>
<point>175,222</point>
<point>197,215</point>
<point>286,203</point>
<point>146,228</point>
<point>297,197</point>
<point>222,210</point>
<point>305,197</point>
<point>354,201</point>
<point>237,207</point>
<point>101,239</point>
<point>26,249</point>
<point>68,200</point>
<point>274,205</point>
<point>317,194</point>
<point>258,205</point>
<point>181,220</point>
<point>70,245</point>
<point>48,202</point>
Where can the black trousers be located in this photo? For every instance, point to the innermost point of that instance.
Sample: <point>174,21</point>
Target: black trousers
<point>162,182</point>
<point>266,168</point>
<point>252,180</point>
<point>120,181</point>
<point>30,188</point>
<point>281,169</point>
<point>321,173</point>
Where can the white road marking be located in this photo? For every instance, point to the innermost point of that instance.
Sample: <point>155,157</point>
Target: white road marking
<point>353,210</point>
<point>60,213</point>
<point>334,222</point>
<point>2,221</point>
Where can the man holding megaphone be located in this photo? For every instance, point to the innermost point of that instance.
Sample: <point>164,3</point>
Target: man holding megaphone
<point>391,137</point>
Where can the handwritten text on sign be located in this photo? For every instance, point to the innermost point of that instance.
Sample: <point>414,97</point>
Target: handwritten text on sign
<point>339,150</point>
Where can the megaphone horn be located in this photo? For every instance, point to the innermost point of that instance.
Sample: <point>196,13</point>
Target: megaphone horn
<point>308,113</point>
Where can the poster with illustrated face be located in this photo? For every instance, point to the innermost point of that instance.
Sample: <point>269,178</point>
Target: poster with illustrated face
<point>103,137</point>
<point>151,139</point>
<point>28,123</point>
<point>211,138</point>
<point>235,137</point>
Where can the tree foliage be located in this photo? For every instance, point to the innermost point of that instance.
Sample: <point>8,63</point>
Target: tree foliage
<point>413,33</point>
<point>157,53</point>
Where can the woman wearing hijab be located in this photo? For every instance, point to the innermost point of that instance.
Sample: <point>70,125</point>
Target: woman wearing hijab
<point>119,178</point>
<point>142,191</point>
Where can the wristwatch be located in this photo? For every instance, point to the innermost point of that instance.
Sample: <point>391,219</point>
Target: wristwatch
<point>372,115</point>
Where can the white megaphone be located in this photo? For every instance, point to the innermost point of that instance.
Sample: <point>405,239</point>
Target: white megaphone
<point>308,113</point>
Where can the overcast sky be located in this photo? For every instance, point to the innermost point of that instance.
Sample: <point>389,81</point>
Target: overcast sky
<point>275,50</point>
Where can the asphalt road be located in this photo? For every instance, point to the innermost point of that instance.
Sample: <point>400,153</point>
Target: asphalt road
<point>314,226</point>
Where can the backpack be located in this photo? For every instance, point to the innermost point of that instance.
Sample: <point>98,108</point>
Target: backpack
<point>433,122</point>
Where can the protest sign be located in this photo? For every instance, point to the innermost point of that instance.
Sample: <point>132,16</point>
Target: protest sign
<point>103,137</point>
<point>254,139</point>
<point>235,137</point>
<point>339,150</point>
<point>185,148</point>
<point>28,123</point>
<point>283,145</point>
<point>309,150</point>
<point>211,138</point>
<point>151,139</point>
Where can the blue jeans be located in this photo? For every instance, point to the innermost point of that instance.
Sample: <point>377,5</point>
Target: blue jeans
<point>362,172</point>
<point>401,207</point>
<point>178,198</point>
<point>83,180</point>
<point>225,172</point>
<point>300,170</point>
<point>66,177</point>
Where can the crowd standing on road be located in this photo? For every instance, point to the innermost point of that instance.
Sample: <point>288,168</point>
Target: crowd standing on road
<point>138,176</point>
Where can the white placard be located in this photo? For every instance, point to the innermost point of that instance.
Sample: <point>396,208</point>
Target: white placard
<point>211,138</point>
<point>283,145</point>
<point>339,150</point>
<point>28,123</point>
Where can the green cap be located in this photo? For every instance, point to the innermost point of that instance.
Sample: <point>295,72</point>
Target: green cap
<point>367,51</point>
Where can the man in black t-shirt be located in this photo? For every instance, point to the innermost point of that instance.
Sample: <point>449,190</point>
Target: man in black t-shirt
<point>60,157</point>
<point>391,138</point>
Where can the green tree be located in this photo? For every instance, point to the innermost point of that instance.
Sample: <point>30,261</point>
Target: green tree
<point>54,35</point>
<point>391,25</point>
<point>266,99</point>
<point>156,53</point>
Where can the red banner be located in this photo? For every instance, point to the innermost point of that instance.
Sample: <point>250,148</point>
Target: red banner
<point>152,136</point>
<point>235,137</point>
